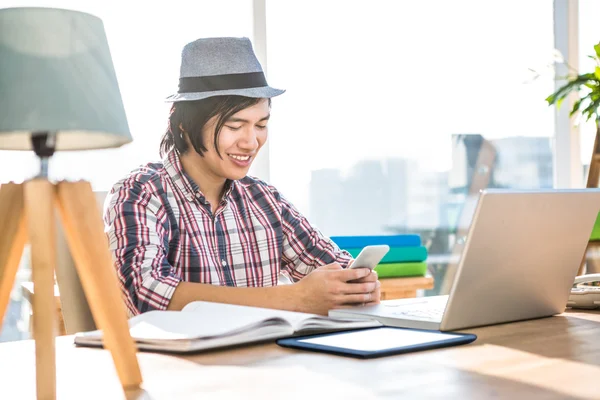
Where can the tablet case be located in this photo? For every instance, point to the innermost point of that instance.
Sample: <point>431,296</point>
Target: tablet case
<point>294,343</point>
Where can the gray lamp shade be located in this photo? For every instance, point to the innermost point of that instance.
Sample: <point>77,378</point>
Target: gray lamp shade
<point>57,76</point>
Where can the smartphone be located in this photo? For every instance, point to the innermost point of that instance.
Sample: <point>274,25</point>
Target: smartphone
<point>370,256</point>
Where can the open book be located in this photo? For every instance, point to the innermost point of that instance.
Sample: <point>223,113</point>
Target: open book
<point>205,325</point>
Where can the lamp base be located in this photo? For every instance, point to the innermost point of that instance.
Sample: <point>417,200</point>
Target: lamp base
<point>84,232</point>
<point>44,145</point>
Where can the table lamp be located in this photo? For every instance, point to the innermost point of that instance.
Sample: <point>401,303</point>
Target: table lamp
<point>59,92</point>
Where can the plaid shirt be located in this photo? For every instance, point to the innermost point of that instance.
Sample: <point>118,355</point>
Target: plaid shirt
<point>161,231</point>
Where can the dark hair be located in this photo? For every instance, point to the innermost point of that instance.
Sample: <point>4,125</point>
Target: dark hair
<point>193,115</point>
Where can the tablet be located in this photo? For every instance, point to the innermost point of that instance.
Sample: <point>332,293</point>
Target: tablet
<point>376,342</point>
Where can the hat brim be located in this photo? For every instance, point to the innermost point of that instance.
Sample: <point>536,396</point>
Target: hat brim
<point>258,92</point>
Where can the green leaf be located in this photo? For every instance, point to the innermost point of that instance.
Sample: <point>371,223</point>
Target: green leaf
<point>558,96</point>
<point>588,84</point>
<point>589,76</point>
<point>574,85</point>
<point>575,108</point>
<point>591,110</point>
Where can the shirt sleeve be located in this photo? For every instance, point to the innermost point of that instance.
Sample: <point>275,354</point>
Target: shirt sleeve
<point>305,248</point>
<point>137,230</point>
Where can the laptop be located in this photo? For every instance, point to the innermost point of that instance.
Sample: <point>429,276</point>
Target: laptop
<point>520,258</point>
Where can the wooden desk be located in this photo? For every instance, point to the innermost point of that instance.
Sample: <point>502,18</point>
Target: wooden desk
<point>550,358</point>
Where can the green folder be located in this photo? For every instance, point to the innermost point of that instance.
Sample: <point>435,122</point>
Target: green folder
<point>398,254</point>
<point>401,269</point>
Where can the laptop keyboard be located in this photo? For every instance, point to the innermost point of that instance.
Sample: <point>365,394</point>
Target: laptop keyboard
<point>426,313</point>
<point>433,310</point>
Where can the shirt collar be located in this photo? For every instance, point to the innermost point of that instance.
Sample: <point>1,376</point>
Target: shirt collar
<point>184,183</point>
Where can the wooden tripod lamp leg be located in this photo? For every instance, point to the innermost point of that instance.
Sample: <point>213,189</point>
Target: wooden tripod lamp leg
<point>13,236</point>
<point>85,235</point>
<point>39,208</point>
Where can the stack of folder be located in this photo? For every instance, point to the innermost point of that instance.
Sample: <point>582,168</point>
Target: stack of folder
<point>406,257</point>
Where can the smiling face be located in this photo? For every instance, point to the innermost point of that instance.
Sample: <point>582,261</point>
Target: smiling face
<point>239,141</point>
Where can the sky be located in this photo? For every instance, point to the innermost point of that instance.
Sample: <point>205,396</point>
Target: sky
<point>364,79</point>
<point>377,79</point>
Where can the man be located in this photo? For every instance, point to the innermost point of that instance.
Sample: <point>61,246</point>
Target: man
<point>196,227</point>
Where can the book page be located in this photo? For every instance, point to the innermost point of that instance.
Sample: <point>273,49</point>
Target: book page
<point>297,320</point>
<point>174,325</point>
<point>321,323</point>
<point>294,319</point>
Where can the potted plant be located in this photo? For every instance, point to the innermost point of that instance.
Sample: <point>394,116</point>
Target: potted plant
<point>587,86</point>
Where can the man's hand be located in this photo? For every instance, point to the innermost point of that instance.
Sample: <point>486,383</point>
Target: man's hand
<point>331,286</point>
<point>372,277</point>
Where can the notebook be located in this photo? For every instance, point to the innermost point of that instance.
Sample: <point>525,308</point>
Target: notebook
<point>206,325</point>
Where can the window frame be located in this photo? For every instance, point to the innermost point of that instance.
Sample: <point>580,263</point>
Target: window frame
<point>567,141</point>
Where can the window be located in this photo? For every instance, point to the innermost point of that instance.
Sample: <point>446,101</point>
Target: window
<point>391,106</point>
<point>145,42</point>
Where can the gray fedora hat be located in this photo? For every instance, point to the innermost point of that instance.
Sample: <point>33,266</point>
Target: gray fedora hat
<point>218,67</point>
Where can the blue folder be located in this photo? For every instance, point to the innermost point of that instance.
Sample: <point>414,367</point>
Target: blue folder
<point>377,342</point>
<point>347,242</point>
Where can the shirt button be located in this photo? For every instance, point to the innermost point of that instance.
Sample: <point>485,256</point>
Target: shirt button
<point>223,263</point>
